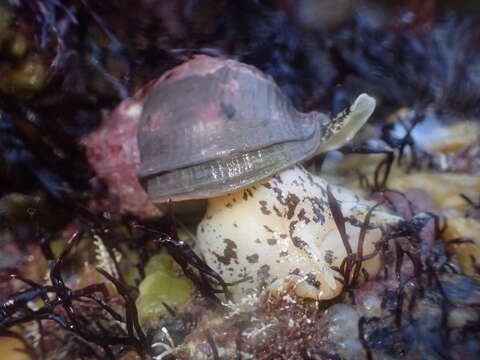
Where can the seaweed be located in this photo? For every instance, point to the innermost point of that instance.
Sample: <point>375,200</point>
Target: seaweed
<point>351,266</point>
<point>212,344</point>
<point>382,170</point>
<point>361,335</point>
<point>188,260</point>
<point>406,141</point>
<point>15,309</point>
<point>473,206</point>
<point>424,284</point>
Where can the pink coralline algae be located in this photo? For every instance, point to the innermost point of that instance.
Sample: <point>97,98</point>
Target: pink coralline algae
<point>112,151</point>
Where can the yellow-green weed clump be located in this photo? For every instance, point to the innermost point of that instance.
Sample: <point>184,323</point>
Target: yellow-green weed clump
<point>162,285</point>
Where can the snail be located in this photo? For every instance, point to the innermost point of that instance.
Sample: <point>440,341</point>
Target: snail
<point>220,129</point>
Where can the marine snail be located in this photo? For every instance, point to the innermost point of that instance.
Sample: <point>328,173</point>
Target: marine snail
<point>222,130</point>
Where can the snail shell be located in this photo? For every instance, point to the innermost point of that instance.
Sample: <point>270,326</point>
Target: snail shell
<point>211,126</point>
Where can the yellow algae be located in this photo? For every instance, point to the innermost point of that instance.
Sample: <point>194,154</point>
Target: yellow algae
<point>29,76</point>
<point>13,349</point>
<point>462,240</point>
<point>161,285</point>
<point>458,135</point>
<point>18,46</point>
<point>444,188</point>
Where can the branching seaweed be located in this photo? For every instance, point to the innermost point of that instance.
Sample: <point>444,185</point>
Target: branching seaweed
<point>212,344</point>
<point>58,305</point>
<point>361,335</point>
<point>351,266</point>
<point>474,206</point>
<point>183,254</point>
<point>382,171</point>
<point>393,147</point>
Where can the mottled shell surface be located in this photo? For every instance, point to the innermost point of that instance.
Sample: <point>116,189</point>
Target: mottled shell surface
<point>211,126</point>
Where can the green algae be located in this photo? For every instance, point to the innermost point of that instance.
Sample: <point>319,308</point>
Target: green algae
<point>162,285</point>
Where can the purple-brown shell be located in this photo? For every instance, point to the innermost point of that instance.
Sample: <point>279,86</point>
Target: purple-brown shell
<point>211,126</point>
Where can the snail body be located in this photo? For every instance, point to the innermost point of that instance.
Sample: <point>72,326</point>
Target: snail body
<point>280,234</point>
